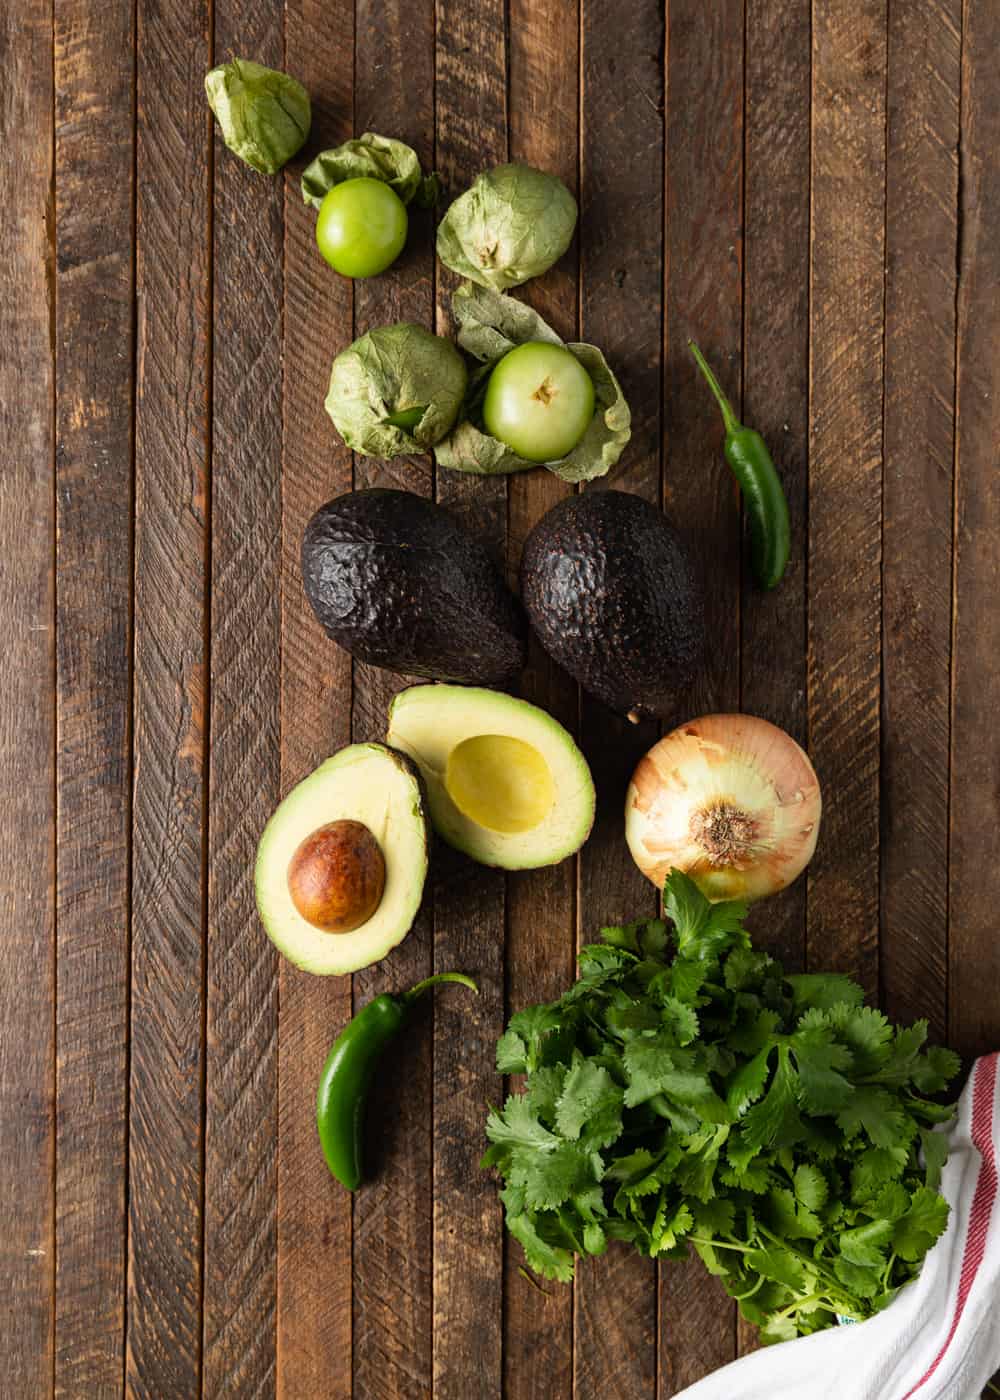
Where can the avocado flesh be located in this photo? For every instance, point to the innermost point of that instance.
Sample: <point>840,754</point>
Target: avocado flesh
<point>505,782</point>
<point>397,582</point>
<point>610,592</point>
<point>366,783</point>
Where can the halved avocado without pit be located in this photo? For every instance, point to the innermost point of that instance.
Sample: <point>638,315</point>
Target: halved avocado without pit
<point>505,782</point>
<point>341,864</point>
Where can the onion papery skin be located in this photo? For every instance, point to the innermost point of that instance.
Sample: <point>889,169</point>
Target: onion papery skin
<point>731,800</point>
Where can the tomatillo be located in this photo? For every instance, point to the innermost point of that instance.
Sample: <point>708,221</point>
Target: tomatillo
<point>539,401</point>
<point>361,227</point>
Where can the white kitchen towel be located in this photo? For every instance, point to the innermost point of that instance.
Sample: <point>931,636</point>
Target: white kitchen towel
<point>940,1339</point>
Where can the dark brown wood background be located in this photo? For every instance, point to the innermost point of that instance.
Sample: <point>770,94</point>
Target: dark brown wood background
<point>811,191</point>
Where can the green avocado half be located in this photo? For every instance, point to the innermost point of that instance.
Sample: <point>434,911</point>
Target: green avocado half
<point>505,782</point>
<point>352,837</point>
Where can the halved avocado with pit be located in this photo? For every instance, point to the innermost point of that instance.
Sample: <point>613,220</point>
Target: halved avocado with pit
<point>505,782</point>
<point>341,864</point>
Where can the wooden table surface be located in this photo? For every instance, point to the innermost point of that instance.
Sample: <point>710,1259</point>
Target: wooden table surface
<point>816,197</point>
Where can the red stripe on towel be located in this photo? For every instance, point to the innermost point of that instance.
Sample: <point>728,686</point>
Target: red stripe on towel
<point>982,1201</point>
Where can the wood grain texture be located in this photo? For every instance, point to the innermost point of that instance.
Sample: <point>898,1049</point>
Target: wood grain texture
<point>921,245</point>
<point>845,477</point>
<point>775,400</point>
<point>775,386</point>
<point>241,1112</point>
<point>94,82</point>
<point>469,902</point>
<point>973,954</point>
<point>394,93</point>
<point>171,669</point>
<point>703,256</point>
<point>621,291</point>
<point>314,1212</point>
<point>27,708</point>
<point>541,904</point>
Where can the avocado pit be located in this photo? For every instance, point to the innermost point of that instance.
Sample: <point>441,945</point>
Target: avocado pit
<point>336,877</point>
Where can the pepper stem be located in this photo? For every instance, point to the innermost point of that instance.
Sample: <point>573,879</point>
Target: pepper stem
<point>429,982</point>
<point>731,422</point>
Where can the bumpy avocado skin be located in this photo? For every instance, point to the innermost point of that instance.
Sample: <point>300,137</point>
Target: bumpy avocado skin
<point>609,590</point>
<point>398,583</point>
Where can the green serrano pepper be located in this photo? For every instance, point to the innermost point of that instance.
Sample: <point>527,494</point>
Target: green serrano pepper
<point>347,1075</point>
<point>751,464</point>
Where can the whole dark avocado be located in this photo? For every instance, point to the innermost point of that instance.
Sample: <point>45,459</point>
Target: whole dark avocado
<point>397,582</point>
<point>608,588</point>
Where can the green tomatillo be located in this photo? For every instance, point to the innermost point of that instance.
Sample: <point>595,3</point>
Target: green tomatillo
<point>361,227</point>
<point>539,401</point>
<point>362,190</point>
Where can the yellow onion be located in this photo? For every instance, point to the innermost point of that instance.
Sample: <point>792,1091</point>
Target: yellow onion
<point>729,799</point>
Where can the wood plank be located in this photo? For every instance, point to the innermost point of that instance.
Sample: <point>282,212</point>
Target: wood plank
<point>394,94</point>
<point>27,708</point>
<point>240,1287</point>
<point>621,295</point>
<point>776,388</point>
<point>94,83</point>
<point>973,952</point>
<point>704,260</point>
<point>845,477</point>
<point>775,400</point>
<point>314,1213</point>
<point>921,238</point>
<point>173,488</point>
<point>541,904</point>
<point>469,900</point>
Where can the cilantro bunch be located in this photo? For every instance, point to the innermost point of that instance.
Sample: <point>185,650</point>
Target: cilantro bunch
<point>686,1092</point>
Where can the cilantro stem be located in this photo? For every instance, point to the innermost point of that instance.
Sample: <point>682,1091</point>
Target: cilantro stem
<point>739,1297</point>
<point>888,1270</point>
<point>807,1301</point>
<point>808,1259</point>
<point>534,1283</point>
<point>722,1244</point>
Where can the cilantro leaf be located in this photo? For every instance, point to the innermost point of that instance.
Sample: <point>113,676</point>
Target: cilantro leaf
<point>935,1070</point>
<point>819,1059</point>
<point>532,1025</point>
<point>655,1065</point>
<point>781,1266</point>
<point>873,1110</point>
<point>544,1258</point>
<point>754,1030</point>
<point>774,1121</point>
<point>512,1054</point>
<point>590,1103</point>
<point>865,1244</point>
<point>550,1178</point>
<point>680,1019</point>
<point>518,1126</point>
<point>864,1282</point>
<point>935,1149</point>
<point>811,1188</point>
<point>747,1084</point>
<point>669,1224</point>
<point>822,990</point>
<point>905,1046</point>
<point>702,928</point>
<point>543,1090</point>
<point>922,1224</point>
<point>866,1033</point>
